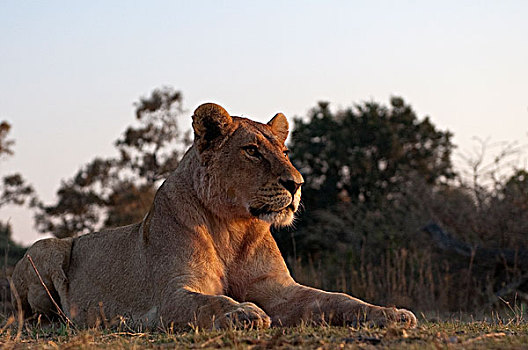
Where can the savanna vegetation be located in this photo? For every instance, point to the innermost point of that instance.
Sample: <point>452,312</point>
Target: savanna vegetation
<point>453,334</point>
<point>386,217</point>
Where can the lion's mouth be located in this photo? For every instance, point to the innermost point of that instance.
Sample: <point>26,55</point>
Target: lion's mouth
<point>266,210</point>
<point>278,217</point>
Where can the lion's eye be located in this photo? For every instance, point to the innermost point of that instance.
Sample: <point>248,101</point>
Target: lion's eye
<point>286,152</point>
<point>252,151</point>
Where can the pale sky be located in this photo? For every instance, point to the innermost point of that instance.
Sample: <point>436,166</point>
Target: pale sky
<point>70,70</point>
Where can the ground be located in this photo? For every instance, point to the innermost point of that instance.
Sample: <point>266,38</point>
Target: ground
<point>491,334</point>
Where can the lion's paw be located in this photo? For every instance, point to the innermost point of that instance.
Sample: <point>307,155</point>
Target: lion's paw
<point>244,315</point>
<point>406,318</point>
<point>389,316</point>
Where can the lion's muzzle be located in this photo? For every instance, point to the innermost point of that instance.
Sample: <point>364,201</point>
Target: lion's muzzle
<point>277,202</point>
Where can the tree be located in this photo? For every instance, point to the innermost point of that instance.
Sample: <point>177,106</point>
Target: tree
<point>367,170</point>
<point>154,148</point>
<point>119,191</point>
<point>490,202</point>
<point>504,217</point>
<point>5,143</point>
<point>13,191</point>
<point>367,153</point>
<point>13,188</point>
<point>11,251</point>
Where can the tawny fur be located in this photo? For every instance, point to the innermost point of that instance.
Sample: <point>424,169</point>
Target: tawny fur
<point>204,254</point>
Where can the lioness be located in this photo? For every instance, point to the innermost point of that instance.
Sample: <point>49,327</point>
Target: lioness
<point>204,254</point>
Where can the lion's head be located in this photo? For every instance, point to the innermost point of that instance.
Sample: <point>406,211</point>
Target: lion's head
<point>244,166</point>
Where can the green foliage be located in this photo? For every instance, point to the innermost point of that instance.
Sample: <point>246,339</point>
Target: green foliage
<point>13,188</point>
<point>367,153</point>
<point>515,191</point>
<point>154,148</point>
<point>501,218</point>
<point>128,203</point>
<point>119,191</point>
<point>5,143</point>
<point>13,191</point>
<point>11,251</point>
<point>363,167</point>
<point>80,200</point>
<point>374,177</point>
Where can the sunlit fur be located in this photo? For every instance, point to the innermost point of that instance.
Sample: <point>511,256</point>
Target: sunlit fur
<point>236,183</point>
<point>286,215</point>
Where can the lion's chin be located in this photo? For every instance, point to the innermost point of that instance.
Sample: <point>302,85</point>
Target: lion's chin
<point>280,218</point>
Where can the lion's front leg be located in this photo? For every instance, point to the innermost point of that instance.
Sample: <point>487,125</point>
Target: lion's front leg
<point>188,308</point>
<point>294,303</point>
<point>289,303</point>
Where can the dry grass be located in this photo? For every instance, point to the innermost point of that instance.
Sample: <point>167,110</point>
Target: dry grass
<point>496,334</point>
<point>418,280</point>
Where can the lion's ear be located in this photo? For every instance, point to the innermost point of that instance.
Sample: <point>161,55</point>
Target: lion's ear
<point>210,121</point>
<point>279,126</point>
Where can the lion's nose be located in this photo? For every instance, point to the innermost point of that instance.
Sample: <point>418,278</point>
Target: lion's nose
<point>290,185</point>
